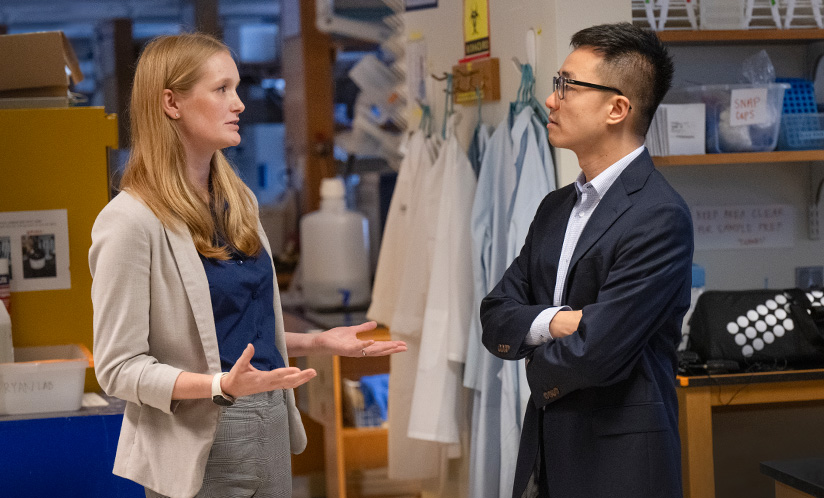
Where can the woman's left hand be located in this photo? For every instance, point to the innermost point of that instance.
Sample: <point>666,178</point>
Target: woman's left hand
<point>343,341</point>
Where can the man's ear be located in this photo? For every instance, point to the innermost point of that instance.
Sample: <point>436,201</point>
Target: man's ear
<point>170,104</point>
<point>619,109</point>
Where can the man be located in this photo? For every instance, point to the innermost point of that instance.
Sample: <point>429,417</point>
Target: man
<point>596,297</point>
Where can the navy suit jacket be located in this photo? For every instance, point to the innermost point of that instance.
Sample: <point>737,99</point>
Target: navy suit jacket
<point>607,392</point>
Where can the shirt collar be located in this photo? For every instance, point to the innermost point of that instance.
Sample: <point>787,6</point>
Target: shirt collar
<point>604,181</point>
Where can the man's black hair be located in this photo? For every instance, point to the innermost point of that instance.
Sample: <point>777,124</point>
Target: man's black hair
<point>635,62</point>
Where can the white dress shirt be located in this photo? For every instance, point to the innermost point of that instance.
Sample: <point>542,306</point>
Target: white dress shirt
<point>589,195</point>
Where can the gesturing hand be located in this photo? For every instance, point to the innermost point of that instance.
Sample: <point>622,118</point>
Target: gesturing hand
<point>343,341</point>
<point>244,379</point>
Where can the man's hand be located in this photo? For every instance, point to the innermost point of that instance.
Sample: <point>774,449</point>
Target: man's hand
<point>564,323</point>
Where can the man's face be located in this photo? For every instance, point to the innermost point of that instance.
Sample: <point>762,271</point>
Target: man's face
<point>579,120</point>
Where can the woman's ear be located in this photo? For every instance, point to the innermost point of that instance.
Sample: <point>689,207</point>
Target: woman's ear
<point>619,110</point>
<point>170,105</point>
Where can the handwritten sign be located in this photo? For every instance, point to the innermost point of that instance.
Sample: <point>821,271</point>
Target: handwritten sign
<point>744,227</point>
<point>748,106</point>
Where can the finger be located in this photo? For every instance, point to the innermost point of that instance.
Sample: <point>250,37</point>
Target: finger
<point>364,327</point>
<point>383,348</point>
<point>246,356</point>
<point>299,378</point>
<point>284,378</point>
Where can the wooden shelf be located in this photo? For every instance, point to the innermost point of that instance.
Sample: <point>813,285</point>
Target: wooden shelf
<point>741,158</point>
<point>364,447</point>
<point>744,36</point>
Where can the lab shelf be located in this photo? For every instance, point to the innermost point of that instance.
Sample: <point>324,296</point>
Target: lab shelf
<point>743,36</point>
<point>347,448</point>
<point>784,156</point>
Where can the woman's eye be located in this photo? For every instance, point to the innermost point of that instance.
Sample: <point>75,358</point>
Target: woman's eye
<point>222,89</point>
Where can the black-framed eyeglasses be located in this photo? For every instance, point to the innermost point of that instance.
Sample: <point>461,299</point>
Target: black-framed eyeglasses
<point>559,84</point>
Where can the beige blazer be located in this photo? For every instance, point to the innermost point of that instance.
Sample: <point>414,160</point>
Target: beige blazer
<point>153,320</point>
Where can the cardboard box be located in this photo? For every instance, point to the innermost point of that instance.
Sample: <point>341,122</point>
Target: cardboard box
<point>37,65</point>
<point>44,379</point>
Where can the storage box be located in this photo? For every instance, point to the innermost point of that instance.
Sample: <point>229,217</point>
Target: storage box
<point>723,14</point>
<point>801,132</point>
<point>740,118</point>
<point>37,65</point>
<point>44,379</point>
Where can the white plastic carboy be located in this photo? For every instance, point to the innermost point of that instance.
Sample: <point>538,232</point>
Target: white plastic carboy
<point>334,244</point>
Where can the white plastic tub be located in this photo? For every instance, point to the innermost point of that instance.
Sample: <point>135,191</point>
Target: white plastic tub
<point>725,135</point>
<point>44,379</point>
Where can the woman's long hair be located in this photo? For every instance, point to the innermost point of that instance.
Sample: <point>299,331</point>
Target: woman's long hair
<point>156,170</point>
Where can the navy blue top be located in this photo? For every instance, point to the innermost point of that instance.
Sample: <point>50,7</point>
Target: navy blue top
<point>242,291</point>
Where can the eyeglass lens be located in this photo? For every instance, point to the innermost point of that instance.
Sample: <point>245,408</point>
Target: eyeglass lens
<point>559,85</point>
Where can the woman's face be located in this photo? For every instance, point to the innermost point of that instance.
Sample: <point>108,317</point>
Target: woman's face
<point>209,113</point>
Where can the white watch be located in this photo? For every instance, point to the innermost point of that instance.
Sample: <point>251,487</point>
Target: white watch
<point>218,396</point>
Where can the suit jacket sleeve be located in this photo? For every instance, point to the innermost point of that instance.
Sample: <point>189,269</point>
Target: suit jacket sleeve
<point>510,308</point>
<point>642,287</point>
<point>120,261</point>
<point>643,292</point>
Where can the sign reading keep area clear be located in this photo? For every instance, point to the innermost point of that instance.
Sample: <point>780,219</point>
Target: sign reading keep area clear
<point>744,227</point>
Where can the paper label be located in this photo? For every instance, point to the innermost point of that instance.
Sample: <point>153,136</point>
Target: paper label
<point>744,226</point>
<point>748,106</point>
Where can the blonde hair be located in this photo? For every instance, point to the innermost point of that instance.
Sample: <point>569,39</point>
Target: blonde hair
<point>156,170</point>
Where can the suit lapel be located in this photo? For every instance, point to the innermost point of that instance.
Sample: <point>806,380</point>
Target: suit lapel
<point>197,290</point>
<point>614,203</point>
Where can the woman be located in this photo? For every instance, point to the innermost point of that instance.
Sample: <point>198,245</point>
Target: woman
<point>187,321</point>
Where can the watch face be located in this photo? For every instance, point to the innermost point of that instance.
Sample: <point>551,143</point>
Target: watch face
<point>220,400</point>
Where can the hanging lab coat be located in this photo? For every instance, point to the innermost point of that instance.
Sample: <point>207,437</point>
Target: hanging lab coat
<point>412,458</point>
<point>419,238</point>
<point>393,244</point>
<point>437,411</point>
<point>490,221</point>
<point>535,180</point>
<point>477,146</point>
<point>490,215</point>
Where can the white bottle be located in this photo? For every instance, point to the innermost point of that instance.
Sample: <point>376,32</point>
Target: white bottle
<point>6,348</point>
<point>698,279</point>
<point>334,245</point>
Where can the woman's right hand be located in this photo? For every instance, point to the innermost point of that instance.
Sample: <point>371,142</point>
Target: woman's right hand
<point>244,379</point>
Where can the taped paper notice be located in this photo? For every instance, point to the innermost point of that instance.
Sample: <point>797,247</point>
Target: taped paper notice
<point>748,106</point>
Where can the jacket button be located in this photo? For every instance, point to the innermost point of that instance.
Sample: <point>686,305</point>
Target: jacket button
<point>552,393</point>
<point>503,348</point>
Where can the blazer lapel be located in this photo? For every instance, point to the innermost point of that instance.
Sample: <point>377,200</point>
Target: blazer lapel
<point>615,202</point>
<point>197,290</point>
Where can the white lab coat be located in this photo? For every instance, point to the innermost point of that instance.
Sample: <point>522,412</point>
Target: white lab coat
<point>437,412</point>
<point>413,458</point>
<point>393,244</point>
<point>490,222</point>
<point>535,180</point>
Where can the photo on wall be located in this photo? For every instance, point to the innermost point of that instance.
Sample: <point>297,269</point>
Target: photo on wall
<point>37,245</point>
<point>5,251</point>
<point>38,255</point>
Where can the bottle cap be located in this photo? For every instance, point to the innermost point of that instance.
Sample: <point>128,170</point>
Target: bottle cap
<point>4,266</point>
<point>332,188</point>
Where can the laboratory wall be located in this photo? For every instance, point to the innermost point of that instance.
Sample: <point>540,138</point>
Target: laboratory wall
<point>789,183</point>
<point>743,436</point>
<point>554,22</point>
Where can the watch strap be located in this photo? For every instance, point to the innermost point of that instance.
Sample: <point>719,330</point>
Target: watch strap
<point>218,396</point>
